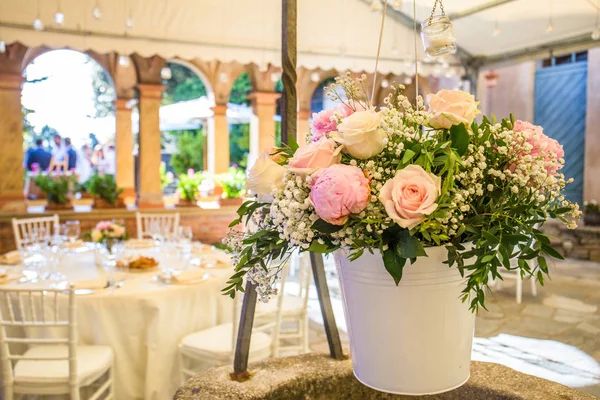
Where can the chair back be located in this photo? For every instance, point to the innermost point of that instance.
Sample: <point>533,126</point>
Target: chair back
<point>42,313</point>
<point>168,222</point>
<point>27,227</point>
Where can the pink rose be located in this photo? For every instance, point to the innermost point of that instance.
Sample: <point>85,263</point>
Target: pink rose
<point>451,107</point>
<point>316,155</point>
<point>410,195</point>
<point>326,121</point>
<point>542,145</point>
<point>339,191</point>
<point>190,172</point>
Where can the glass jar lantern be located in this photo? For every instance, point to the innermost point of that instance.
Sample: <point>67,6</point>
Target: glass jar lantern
<point>438,36</point>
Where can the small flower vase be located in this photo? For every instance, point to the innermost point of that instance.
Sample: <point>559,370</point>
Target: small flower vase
<point>591,218</point>
<point>438,36</point>
<point>99,251</point>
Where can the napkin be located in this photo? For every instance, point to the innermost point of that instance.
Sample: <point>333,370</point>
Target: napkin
<point>189,275</point>
<point>9,276</point>
<point>200,248</point>
<point>219,258</point>
<point>12,257</point>
<point>96,283</point>
<point>139,243</point>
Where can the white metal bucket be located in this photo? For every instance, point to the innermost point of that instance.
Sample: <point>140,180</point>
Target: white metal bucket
<point>411,339</point>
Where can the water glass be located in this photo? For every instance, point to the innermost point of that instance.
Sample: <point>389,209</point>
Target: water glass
<point>73,230</point>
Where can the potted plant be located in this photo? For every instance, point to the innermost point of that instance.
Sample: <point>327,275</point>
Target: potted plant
<point>187,187</point>
<point>421,207</point>
<point>232,183</point>
<point>57,188</point>
<point>591,213</point>
<point>105,191</point>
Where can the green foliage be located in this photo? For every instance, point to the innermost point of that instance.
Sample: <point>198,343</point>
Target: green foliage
<point>165,177</point>
<point>239,144</point>
<point>232,183</point>
<point>591,207</point>
<point>190,151</point>
<point>188,183</point>
<point>104,90</point>
<point>240,90</point>
<point>104,187</point>
<point>184,85</point>
<point>56,187</point>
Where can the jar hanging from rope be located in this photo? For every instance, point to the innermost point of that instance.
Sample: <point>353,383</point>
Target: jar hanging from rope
<point>437,33</point>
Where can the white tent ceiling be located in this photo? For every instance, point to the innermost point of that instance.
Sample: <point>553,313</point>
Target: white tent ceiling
<point>340,34</point>
<point>522,24</point>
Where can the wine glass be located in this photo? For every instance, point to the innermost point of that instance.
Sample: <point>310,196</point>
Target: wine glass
<point>73,231</point>
<point>157,232</point>
<point>185,232</point>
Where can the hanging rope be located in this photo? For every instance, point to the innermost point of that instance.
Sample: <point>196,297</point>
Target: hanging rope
<point>415,39</point>
<point>378,51</point>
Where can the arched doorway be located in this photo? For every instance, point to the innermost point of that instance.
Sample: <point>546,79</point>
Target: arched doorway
<point>239,127</point>
<point>69,94</point>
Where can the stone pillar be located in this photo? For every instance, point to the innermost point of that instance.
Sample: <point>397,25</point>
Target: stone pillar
<point>11,137</point>
<point>218,140</point>
<point>303,126</point>
<point>263,105</point>
<point>150,192</point>
<point>124,147</point>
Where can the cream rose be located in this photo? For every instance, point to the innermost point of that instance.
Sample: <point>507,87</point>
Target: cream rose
<point>361,134</point>
<point>96,235</point>
<point>265,175</point>
<point>410,196</point>
<point>316,155</point>
<point>451,107</point>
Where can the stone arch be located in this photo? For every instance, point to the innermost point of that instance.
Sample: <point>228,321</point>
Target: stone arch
<point>200,74</point>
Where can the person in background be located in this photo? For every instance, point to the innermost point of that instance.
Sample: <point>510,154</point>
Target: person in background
<point>111,160</point>
<point>84,168</point>
<point>39,156</point>
<point>60,151</point>
<point>98,161</point>
<point>72,154</point>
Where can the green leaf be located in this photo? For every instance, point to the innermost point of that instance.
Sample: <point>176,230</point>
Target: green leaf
<point>408,246</point>
<point>394,263</point>
<point>408,155</point>
<point>546,248</point>
<point>325,227</point>
<point>487,258</point>
<point>320,248</point>
<point>489,237</point>
<point>460,138</point>
<point>292,143</point>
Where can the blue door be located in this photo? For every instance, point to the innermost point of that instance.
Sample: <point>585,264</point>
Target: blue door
<point>560,108</point>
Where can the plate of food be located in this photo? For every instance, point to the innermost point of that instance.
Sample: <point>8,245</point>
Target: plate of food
<point>138,264</point>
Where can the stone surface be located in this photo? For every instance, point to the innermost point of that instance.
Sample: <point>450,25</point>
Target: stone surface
<point>537,310</point>
<point>570,304</point>
<point>318,377</point>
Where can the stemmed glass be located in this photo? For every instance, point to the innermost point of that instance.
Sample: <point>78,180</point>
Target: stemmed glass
<point>157,232</point>
<point>73,230</point>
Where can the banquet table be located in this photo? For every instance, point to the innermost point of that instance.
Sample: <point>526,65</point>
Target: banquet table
<point>143,321</point>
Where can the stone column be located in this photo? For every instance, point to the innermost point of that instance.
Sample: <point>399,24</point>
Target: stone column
<point>124,147</point>
<point>263,105</point>
<point>303,126</point>
<point>150,192</point>
<point>11,137</point>
<point>218,140</point>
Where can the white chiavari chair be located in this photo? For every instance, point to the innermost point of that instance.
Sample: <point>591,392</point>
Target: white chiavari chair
<point>292,332</point>
<point>168,222</point>
<point>28,227</point>
<point>52,362</point>
<point>215,346</point>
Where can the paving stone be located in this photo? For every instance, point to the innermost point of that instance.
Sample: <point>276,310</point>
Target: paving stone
<point>568,303</point>
<point>538,310</point>
<point>485,327</point>
<point>589,327</point>
<point>570,317</point>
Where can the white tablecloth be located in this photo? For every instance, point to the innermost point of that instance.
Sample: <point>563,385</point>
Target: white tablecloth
<point>143,321</point>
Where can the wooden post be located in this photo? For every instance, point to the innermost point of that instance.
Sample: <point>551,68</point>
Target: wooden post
<point>289,100</point>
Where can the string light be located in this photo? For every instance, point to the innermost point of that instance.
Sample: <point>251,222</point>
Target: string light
<point>275,76</point>
<point>38,25</point>
<point>166,73</point>
<point>123,61</point>
<point>550,27</point>
<point>223,77</point>
<point>397,4</point>
<point>2,47</point>
<point>408,80</point>
<point>59,16</point>
<point>385,83</point>
<point>97,11</point>
<point>376,5</point>
<point>315,77</point>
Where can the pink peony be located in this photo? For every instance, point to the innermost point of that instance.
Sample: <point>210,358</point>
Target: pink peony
<point>410,195</point>
<point>339,191</point>
<point>325,121</point>
<point>316,155</point>
<point>542,145</point>
<point>190,172</point>
<point>103,225</point>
